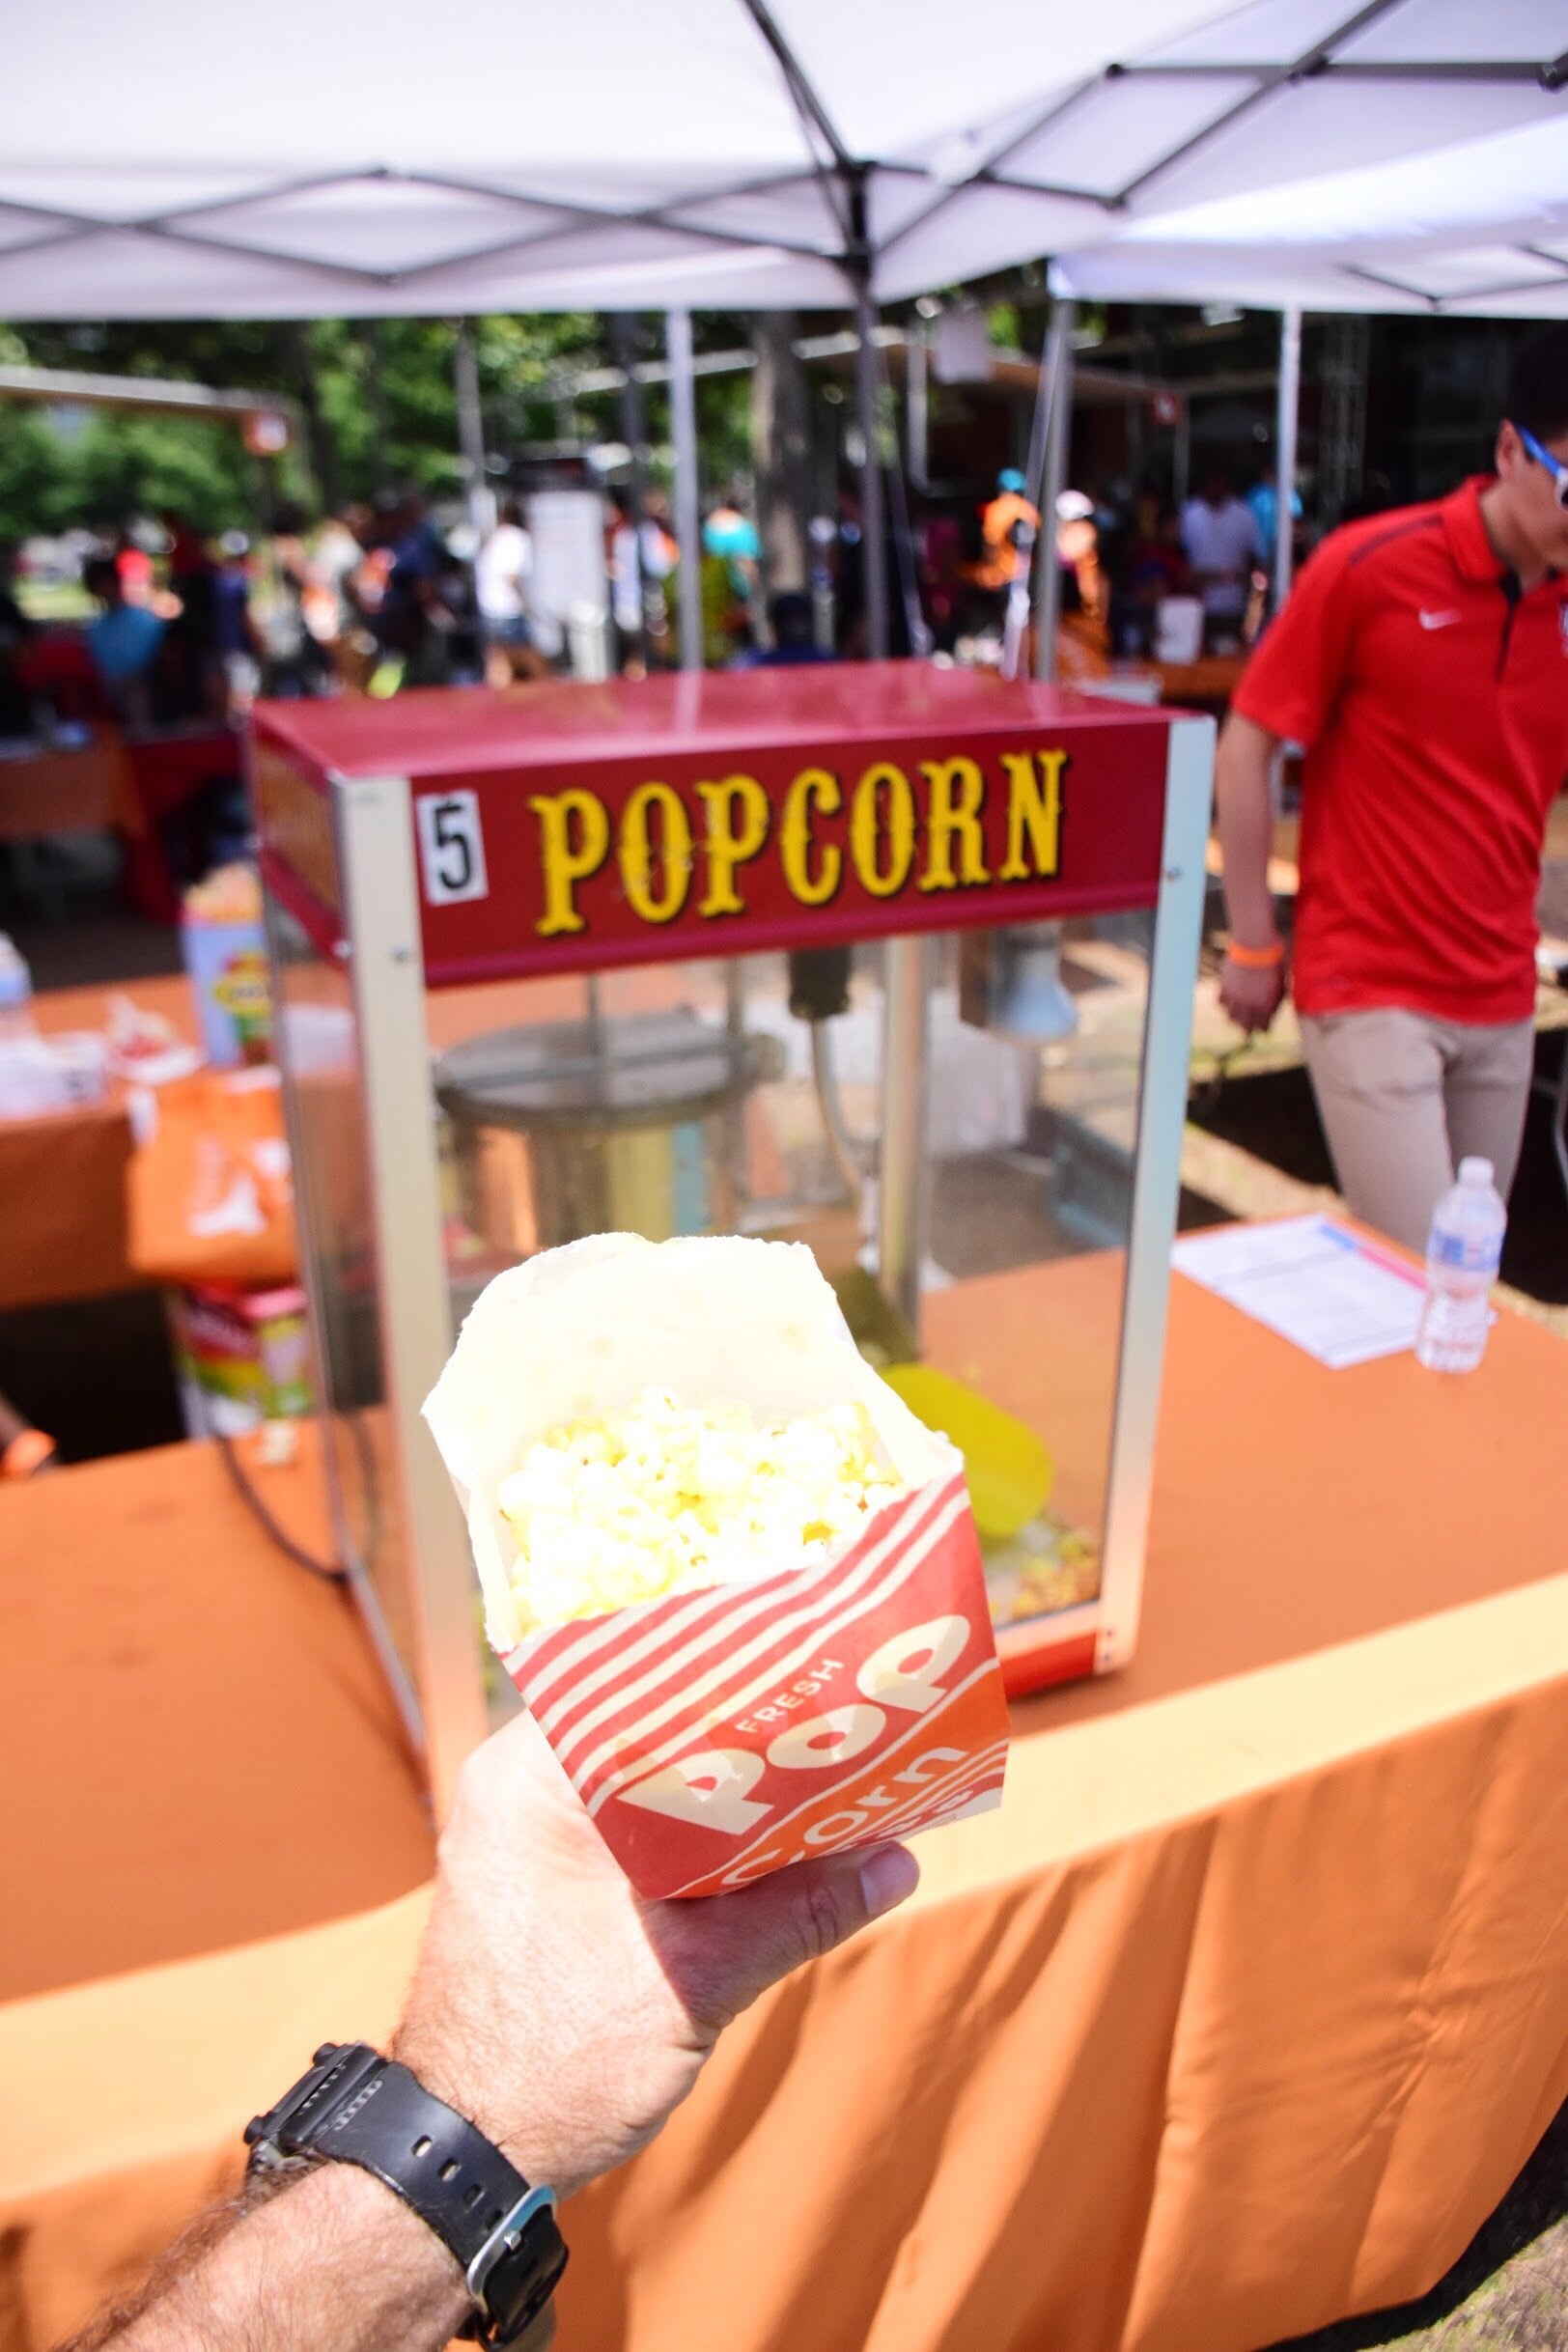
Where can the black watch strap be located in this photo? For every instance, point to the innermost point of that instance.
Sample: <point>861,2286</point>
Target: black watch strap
<point>357,2107</point>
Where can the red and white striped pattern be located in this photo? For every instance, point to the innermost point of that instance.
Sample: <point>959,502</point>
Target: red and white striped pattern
<point>623,1695</point>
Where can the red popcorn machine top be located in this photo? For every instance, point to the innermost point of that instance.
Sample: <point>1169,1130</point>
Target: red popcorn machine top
<point>893,959</point>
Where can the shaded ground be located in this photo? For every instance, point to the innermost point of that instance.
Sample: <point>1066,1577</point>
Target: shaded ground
<point>95,1373</point>
<point>1509,2291</point>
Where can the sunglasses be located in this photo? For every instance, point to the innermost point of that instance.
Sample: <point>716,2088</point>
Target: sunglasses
<point>1543,457</point>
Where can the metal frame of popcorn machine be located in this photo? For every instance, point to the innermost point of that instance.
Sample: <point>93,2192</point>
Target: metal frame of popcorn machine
<point>447,840</point>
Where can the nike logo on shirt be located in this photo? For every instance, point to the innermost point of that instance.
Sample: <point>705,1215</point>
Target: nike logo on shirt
<point>1437,620</point>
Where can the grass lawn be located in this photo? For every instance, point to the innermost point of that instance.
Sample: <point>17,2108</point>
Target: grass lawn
<point>55,600</point>
<point>1509,2291</point>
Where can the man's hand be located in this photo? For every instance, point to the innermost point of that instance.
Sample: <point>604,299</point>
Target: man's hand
<point>1252,996</point>
<point>563,2014</point>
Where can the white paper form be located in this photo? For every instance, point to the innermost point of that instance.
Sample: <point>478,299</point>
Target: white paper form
<point>1333,1293</point>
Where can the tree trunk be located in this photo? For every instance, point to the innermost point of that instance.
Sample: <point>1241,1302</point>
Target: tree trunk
<point>781,450</point>
<point>321,450</point>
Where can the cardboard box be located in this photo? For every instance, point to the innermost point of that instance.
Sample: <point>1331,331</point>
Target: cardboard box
<point>242,1355</point>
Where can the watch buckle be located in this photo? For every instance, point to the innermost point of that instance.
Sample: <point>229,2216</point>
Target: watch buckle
<point>505,2238</point>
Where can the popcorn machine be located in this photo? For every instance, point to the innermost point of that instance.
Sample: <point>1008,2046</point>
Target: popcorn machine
<point>894,959</point>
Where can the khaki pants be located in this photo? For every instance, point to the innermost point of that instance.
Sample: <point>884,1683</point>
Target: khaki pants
<point>1402,1099</point>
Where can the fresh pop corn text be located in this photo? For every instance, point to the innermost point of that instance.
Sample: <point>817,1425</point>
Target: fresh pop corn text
<point>668,1498</point>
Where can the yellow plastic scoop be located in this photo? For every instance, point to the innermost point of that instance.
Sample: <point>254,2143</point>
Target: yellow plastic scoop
<point>1008,1468</point>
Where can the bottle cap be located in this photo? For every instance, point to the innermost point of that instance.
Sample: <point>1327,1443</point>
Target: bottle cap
<point>1477,1171</point>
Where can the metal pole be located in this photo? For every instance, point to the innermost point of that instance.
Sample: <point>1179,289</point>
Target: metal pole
<point>687,507</point>
<point>917,412</point>
<point>623,342</point>
<point>901,1186</point>
<point>901,1180</point>
<point>1290,389</point>
<point>873,544</point>
<point>471,428</point>
<point>1047,580</point>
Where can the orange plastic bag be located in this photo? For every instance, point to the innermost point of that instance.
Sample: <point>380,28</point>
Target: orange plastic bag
<point>210,1196</point>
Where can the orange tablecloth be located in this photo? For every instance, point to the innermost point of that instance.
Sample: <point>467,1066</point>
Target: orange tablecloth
<point>1241,2013</point>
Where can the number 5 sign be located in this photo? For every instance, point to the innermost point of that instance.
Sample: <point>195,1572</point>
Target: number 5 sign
<point>451,848</point>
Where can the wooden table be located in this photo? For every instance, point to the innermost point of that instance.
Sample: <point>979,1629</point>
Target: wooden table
<point>1205,685</point>
<point>1240,2015</point>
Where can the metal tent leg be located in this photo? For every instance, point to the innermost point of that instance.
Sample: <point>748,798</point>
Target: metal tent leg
<point>687,514</point>
<point>1048,589</point>
<point>1290,392</point>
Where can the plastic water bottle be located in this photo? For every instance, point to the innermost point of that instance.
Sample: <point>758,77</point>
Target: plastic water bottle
<point>15,992</point>
<point>1462,1252</point>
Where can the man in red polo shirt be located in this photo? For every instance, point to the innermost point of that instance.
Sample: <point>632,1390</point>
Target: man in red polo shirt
<point>1422,662</point>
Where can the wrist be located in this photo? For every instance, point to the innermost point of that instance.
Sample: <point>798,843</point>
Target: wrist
<point>374,2232</point>
<point>330,2240</point>
<point>444,2067</point>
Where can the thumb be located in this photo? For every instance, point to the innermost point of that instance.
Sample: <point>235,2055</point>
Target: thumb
<point>735,1945</point>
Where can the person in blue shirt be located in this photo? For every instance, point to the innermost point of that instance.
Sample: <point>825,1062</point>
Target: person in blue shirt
<point>123,642</point>
<point>1264,501</point>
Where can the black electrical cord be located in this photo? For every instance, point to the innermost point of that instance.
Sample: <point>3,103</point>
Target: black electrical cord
<point>332,1570</point>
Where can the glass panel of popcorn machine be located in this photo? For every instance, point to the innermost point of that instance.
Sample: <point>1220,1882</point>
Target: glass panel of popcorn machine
<point>745,1095</point>
<point>319,1050</point>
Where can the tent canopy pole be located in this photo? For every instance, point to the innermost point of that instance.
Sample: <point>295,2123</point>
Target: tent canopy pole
<point>873,537</point>
<point>1047,585</point>
<point>1290,390</point>
<point>687,499</point>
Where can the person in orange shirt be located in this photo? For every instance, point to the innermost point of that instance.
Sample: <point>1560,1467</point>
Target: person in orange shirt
<point>1005,520</point>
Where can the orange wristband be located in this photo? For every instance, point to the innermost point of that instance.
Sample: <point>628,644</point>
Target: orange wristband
<point>1256,959</point>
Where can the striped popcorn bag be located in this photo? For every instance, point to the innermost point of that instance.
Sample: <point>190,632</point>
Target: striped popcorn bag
<point>719,1733</point>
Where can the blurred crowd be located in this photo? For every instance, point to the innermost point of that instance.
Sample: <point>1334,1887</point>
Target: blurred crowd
<point>181,628</point>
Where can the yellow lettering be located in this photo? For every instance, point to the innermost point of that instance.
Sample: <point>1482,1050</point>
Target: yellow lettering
<point>636,853</point>
<point>958,795</point>
<point>729,846</point>
<point>564,866</point>
<point>1034,808</point>
<point>813,788</point>
<point>865,829</point>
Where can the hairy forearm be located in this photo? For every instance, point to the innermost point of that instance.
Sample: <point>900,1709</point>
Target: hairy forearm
<point>332,2260</point>
<point>1244,818</point>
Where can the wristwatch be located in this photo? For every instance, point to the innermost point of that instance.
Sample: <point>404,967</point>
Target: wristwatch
<point>357,2107</point>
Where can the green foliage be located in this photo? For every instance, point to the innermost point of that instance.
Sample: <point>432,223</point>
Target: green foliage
<point>377,401</point>
<point>35,485</point>
<point>114,467</point>
<point>1001,326</point>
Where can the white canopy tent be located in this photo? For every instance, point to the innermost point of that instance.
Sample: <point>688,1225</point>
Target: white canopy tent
<point>1480,228</point>
<point>373,155</point>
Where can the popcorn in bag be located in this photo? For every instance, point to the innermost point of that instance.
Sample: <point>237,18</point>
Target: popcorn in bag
<point>736,1581</point>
